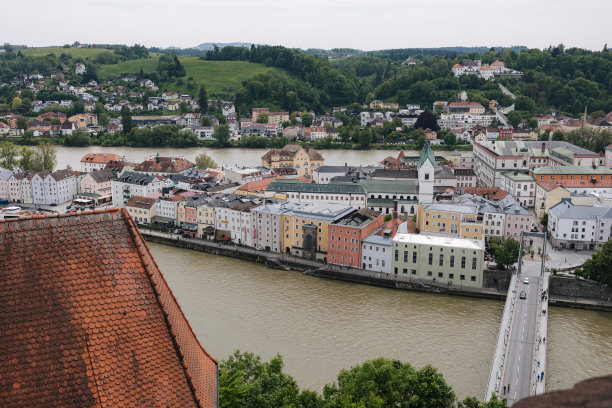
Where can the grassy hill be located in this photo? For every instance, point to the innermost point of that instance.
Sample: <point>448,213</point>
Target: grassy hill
<point>219,77</point>
<point>57,51</point>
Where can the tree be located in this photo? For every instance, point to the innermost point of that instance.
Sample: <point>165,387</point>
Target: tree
<point>597,267</point>
<point>389,383</point>
<point>204,161</point>
<point>365,139</point>
<point>126,119</point>
<point>427,120</point>
<point>450,139</point>
<point>16,103</point>
<point>26,161</point>
<point>306,119</point>
<point>203,99</point>
<point>245,381</point>
<point>45,157</point>
<point>506,253</point>
<point>22,123</point>
<point>558,136</point>
<point>8,155</point>
<point>103,119</point>
<point>262,118</point>
<point>544,220</point>
<point>494,402</point>
<point>388,217</point>
<point>222,135</point>
<point>420,142</point>
<point>79,137</point>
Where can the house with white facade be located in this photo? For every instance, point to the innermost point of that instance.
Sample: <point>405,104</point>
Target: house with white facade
<point>166,207</point>
<point>134,184</point>
<point>520,185</point>
<point>57,187</point>
<point>579,227</point>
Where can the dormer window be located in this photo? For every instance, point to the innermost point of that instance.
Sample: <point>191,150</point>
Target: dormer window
<point>426,176</point>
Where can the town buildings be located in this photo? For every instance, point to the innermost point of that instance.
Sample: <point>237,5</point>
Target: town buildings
<point>579,227</point>
<point>520,185</point>
<point>163,165</point>
<point>495,158</point>
<point>98,161</point>
<point>54,188</point>
<point>443,259</point>
<point>134,184</point>
<point>346,234</point>
<point>305,161</point>
<point>141,209</point>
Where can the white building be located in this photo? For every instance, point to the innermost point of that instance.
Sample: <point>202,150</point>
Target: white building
<point>242,175</point>
<point>98,161</point>
<point>376,248</point>
<point>134,184</point>
<point>167,207</point>
<point>266,220</point>
<point>427,162</point>
<point>520,185</point>
<point>54,188</point>
<point>365,118</point>
<point>579,227</point>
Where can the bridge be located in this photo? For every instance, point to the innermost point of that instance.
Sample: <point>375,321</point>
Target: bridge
<point>518,369</point>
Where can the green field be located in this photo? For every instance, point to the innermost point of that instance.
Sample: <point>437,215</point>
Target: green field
<point>75,52</point>
<point>219,77</point>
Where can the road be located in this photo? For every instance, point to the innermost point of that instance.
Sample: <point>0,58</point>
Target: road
<point>519,359</point>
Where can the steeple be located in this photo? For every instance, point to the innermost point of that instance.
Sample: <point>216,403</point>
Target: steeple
<point>427,153</point>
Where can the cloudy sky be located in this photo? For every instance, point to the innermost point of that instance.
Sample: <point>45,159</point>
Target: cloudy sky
<point>365,25</point>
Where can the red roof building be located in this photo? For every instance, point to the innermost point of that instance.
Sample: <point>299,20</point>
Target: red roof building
<point>88,319</point>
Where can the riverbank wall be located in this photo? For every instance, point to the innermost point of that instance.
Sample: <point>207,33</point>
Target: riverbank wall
<point>498,279</point>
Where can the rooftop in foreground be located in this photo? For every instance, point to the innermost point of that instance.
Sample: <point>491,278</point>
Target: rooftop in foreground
<point>88,319</point>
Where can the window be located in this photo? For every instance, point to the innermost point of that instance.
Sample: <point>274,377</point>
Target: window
<point>452,261</point>
<point>440,275</point>
<point>429,273</point>
<point>473,278</point>
<point>474,263</point>
<point>441,263</point>
<point>413,271</point>
<point>451,276</point>
<point>461,277</point>
<point>414,257</point>
<point>405,256</point>
<point>405,271</point>
<point>396,256</point>
<point>463,262</point>
<point>430,259</point>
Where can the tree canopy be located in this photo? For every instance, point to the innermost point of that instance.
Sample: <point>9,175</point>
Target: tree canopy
<point>597,267</point>
<point>204,161</point>
<point>246,381</point>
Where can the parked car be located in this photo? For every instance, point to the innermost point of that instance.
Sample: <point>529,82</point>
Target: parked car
<point>526,281</point>
<point>523,295</point>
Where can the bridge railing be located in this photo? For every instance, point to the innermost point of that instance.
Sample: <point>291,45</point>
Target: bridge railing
<point>503,339</point>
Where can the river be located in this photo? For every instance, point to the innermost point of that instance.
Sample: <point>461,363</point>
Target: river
<point>224,157</point>
<point>321,326</point>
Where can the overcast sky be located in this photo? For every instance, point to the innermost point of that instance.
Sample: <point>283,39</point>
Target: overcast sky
<point>365,25</point>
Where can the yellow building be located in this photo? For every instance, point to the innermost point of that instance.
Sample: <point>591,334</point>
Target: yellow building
<point>206,220</point>
<point>142,209</point>
<point>304,161</point>
<point>304,231</point>
<point>459,220</point>
<point>548,194</point>
<point>83,120</point>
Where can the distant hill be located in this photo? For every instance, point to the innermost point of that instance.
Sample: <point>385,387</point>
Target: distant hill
<point>210,46</point>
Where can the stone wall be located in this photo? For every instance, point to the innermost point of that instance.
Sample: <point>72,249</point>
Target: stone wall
<point>496,279</point>
<point>567,286</point>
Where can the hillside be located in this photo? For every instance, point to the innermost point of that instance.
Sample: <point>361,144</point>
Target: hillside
<point>219,77</point>
<point>57,51</point>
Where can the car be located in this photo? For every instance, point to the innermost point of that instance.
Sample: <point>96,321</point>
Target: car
<point>523,295</point>
<point>526,281</point>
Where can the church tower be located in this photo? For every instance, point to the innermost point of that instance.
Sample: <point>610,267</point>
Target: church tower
<point>427,162</point>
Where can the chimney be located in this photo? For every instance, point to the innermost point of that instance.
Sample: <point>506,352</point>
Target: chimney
<point>543,147</point>
<point>395,209</point>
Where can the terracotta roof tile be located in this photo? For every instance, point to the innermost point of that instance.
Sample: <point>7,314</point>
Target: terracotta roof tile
<point>88,319</point>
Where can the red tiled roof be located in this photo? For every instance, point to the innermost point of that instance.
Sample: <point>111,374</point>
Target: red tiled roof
<point>490,193</point>
<point>100,157</point>
<point>141,202</point>
<point>88,319</point>
<point>164,165</point>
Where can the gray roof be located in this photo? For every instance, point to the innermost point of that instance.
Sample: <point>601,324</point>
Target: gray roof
<point>518,148</point>
<point>136,178</point>
<point>103,175</point>
<point>396,173</point>
<point>463,208</point>
<point>565,209</point>
<point>390,186</point>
